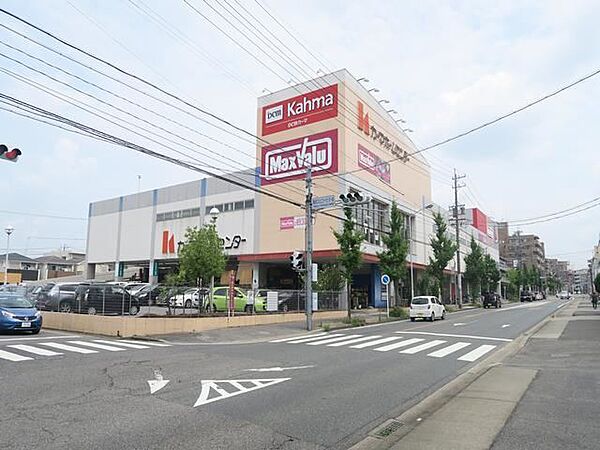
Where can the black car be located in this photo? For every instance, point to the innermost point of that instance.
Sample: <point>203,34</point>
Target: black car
<point>527,296</point>
<point>62,297</point>
<point>491,299</point>
<point>109,299</point>
<point>151,295</point>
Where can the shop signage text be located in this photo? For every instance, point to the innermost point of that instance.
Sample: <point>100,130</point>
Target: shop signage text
<point>227,242</point>
<point>288,160</point>
<point>300,110</point>
<point>379,136</point>
<point>374,164</point>
<point>291,222</point>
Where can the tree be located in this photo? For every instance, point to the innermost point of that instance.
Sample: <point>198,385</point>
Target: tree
<point>443,251</point>
<point>491,272</point>
<point>349,241</point>
<point>393,258</point>
<point>597,282</point>
<point>515,280</point>
<point>330,278</point>
<point>474,268</point>
<point>201,257</point>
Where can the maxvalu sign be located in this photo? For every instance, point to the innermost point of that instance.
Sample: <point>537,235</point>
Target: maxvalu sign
<point>300,110</point>
<point>288,160</point>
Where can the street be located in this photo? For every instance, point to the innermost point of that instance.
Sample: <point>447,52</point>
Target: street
<point>62,390</point>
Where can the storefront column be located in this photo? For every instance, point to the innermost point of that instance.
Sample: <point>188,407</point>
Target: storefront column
<point>153,272</point>
<point>255,276</point>
<point>376,287</point>
<point>90,273</point>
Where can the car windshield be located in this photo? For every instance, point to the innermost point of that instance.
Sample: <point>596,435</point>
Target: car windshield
<point>420,301</point>
<point>14,301</point>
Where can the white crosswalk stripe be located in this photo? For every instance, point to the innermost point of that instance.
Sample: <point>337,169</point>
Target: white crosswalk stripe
<point>68,348</point>
<point>302,341</point>
<point>298,337</point>
<point>13,356</point>
<point>353,341</point>
<point>334,339</point>
<point>99,346</point>
<point>387,348</point>
<point>122,344</point>
<point>477,353</point>
<point>448,350</point>
<point>150,343</point>
<point>377,342</point>
<point>34,350</point>
<point>420,348</point>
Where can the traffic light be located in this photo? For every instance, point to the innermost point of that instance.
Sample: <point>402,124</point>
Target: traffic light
<point>297,260</point>
<point>353,198</point>
<point>9,155</point>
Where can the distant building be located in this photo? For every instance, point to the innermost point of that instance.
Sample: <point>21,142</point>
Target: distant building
<point>560,270</point>
<point>521,250</point>
<point>595,261</point>
<point>22,267</point>
<point>582,281</point>
<point>54,266</point>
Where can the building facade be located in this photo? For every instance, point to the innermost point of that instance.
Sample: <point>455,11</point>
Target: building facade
<point>521,250</point>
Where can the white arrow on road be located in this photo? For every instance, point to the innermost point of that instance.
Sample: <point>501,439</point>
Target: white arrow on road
<point>278,369</point>
<point>158,383</point>
<point>240,386</point>
<point>506,325</point>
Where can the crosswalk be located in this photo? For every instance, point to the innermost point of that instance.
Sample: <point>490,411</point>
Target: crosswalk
<point>430,344</point>
<point>37,349</point>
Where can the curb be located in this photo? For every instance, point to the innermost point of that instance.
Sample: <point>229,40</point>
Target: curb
<point>411,418</point>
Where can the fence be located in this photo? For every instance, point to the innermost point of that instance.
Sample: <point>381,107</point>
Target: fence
<point>138,299</point>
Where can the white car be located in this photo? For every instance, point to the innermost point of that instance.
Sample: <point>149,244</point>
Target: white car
<point>426,307</point>
<point>188,299</point>
<point>564,295</point>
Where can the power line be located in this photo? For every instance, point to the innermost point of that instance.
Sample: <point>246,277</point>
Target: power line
<point>518,221</point>
<point>47,216</point>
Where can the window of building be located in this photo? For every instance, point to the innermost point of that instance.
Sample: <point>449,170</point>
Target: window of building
<point>248,204</point>
<point>238,206</point>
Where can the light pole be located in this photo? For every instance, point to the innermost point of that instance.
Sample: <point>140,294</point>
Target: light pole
<point>214,215</point>
<point>410,250</point>
<point>9,229</point>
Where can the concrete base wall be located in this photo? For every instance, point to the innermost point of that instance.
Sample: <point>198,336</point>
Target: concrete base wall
<point>144,326</point>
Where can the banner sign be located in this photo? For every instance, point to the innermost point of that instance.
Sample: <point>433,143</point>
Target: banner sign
<point>373,164</point>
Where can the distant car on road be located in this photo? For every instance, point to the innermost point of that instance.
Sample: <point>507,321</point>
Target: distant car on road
<point>426,307</point>
<point>564,295</point>
<point>18,314</point>
<point>527,296</point>
<point>492,299</point>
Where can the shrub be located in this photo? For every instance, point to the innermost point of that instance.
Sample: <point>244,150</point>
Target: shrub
<point>401,313</point>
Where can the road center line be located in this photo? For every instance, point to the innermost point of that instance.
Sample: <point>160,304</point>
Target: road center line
<point>483,338</point>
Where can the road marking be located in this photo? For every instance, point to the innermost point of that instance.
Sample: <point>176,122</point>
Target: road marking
<point>506,325</point>
<point>420,348</point>
<point>39,338</point>
<point>483,338</point>
<point>335,339</point>
<point>278,369</point>
<point>477,353</point>
<point>387,348</point>
<point>100,346</point>
<point>377,342</point>
<point>151,344</point>
<point>13,356</point>
<point>158,383</point>
<point>209,386</point>
<point>459,324</point>
<point>302,341</point>
<point>35,350</point>
<point>68,348</point>
<point>448,350</point>
<point>298,337</point>
<point>352,341</point>
<point>122,344</point>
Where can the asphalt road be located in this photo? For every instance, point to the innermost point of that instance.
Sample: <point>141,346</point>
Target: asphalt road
<point>337,388</point>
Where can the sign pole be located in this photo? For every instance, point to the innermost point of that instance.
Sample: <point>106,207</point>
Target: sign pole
<point>385,280</point>
<point>309,246</point>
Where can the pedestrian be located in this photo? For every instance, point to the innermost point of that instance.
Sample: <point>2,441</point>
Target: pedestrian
<point>595,296</point>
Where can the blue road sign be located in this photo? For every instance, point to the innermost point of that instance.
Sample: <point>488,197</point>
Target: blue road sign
<point>385,279</point>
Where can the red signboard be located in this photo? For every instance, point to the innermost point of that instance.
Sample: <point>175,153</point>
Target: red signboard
<point>300,110</point>
<point>288,160</point>
<point>231,291</point>
<point>374,164</point>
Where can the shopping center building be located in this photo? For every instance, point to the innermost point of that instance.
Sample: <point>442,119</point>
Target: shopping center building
<point>353,145</point>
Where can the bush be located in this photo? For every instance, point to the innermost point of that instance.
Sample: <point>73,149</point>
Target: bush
<point>450,308</point>
<point>401,313</point>
<point>326,327</point>
<point>355,322</point>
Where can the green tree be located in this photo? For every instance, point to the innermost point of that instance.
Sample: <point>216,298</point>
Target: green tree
<point>201,256</point>
<point>597,282</point>
<point>515,280</point>
<point>492,274</point>
<point>350,259</point>
<point>443,251</point>
<point>474,268</point>
<point>393,258</point>
<point>330,278</point>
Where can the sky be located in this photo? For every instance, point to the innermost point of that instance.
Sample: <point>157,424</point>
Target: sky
<point>444,66</point>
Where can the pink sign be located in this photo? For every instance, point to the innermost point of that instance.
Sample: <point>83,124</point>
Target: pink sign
<point>291,222</point>
<point>374,164</point>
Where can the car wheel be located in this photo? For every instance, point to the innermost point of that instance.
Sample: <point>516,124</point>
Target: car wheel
<point>36,331</point>
<point>64,307</point>
<point>443,315</point>
<point>91,311</point>
<point>412,319</point>
<point>133,310</point>
<point>188,303</point>
<point>432,317</point>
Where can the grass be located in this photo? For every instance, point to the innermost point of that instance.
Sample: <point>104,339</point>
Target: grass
<point>355,322</point>
<point>326,327</point>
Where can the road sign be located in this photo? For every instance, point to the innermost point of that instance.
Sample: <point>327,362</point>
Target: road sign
<point>385,279</point>
<point>326,201</point>
<point>222,389</point>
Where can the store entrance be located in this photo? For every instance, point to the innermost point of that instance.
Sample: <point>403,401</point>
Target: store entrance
<point>360,293</point>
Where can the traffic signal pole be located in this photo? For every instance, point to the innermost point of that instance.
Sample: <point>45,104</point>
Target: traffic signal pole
<point>309,248</point>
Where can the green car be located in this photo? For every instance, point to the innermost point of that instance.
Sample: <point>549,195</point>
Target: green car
<point>221,298</point>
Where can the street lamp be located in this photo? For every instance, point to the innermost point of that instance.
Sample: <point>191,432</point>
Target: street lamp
<point>214,214</point>
<point>366,80</point>
<point>9,229</point>
<point>373,90</point>
<point>408,130</point>
<point>410,246</point>
<point>392,111</point>
<point>400,121</point>
<point>384,101</point>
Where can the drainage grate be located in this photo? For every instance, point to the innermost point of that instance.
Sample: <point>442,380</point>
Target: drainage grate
<point>388,428</point>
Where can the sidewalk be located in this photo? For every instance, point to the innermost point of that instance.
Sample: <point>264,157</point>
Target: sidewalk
<point>547,396</point>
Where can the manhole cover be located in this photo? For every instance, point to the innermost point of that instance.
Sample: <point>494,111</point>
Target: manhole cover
<point>390,427</point>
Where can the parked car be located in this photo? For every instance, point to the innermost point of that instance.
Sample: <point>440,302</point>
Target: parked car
<point>150,294</point>
<point>492,299</point>
<point>17,313</point>
<point>109,299</point>
<point>426,307</point>
<point>221,298</point>
<point>527,296</point>
<point>190,298</point>
<point>62,297</point>
<point>135,287</point>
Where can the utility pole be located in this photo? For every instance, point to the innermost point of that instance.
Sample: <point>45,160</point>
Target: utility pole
<point>457,225</point>
<point>309,246</point>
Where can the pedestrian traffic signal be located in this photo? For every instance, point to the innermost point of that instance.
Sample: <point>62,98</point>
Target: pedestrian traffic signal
<point>9,155</point>
<point>353,198</point>
<point>297,260</point>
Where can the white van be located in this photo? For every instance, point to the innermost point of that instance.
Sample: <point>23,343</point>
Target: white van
<point>426,307</point>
